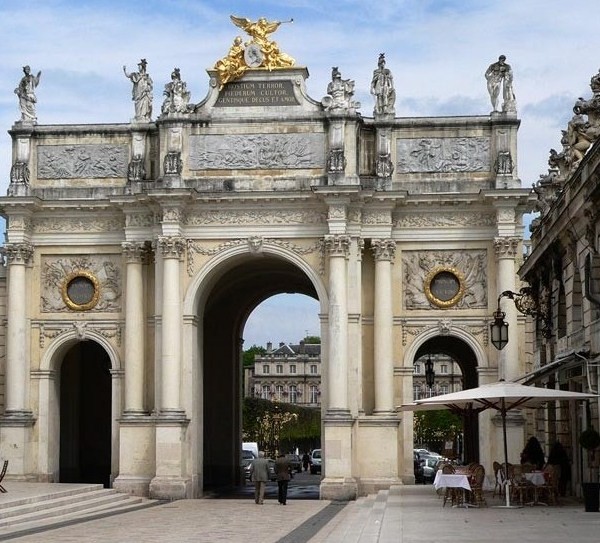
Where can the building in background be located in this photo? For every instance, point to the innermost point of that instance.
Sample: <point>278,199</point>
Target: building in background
<point>447,377</point>
<point>288,373</point>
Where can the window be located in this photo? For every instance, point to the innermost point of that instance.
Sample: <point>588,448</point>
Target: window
<point>265,369</point>
<point>417,368</point>
<point>265,392</point>
<point>292,368</point>
<point>416,392</point>
<point>444,368</point>
<point>279,392</point>
<point>279,368</point>
<point>313,394</point>
<point>313,369</point>
<point>443,389</point>
<point>293,394</point>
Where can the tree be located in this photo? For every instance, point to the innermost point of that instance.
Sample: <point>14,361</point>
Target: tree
<point>250,353</point>
<point>312,340</point>
<point>435,427</point>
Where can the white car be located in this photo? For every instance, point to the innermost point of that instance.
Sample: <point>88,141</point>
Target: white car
<point>315,461</point>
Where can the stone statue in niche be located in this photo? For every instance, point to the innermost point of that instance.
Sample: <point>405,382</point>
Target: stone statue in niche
<point>382,88</point>
<point>26,93</point>
<point>177,97</point>
<point>141,93</point>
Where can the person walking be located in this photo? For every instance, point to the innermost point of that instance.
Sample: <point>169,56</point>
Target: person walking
<point>305,461</point>
<point>259,475</point>
<point>283,472</point>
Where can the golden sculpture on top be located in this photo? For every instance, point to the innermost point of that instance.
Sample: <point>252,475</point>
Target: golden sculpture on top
<point>259,53</point>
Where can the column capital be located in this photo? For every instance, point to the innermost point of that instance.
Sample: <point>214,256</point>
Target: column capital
<point>18,253</point>
<point>337,245</point>
<point>135,251</point>
<point>383,249</point>
<point>171,246</point>
<point>506,247</point>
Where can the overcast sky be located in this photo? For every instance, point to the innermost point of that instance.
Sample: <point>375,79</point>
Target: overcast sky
<point>437,51</point>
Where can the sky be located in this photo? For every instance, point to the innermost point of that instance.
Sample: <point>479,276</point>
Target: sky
<point>437,50</point>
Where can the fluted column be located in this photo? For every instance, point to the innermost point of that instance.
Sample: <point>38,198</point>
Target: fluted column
<point>506,252</point>
<point>383,251</point>
<point>17,359</point>
<point>337,373</point>
<point>171,249</point>
<point>135,329</point>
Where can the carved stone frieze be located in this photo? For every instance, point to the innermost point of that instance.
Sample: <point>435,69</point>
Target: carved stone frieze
<point>470,154</point>
<point>139,219</point>
<point>104,268</point>
<point>376,216</point>
<point>257,216</point>
<point>443,220</point>
<point>18,253</point>
<point>85,161</point>
<point>506,247</point>
<point>444,327</point>
<point>77,224</point>
<point>471,265</point>
<point>336,212</point>
<point>19,223</point>
<point>172,214</point>
<point>506,215</point>
<point>49,331</point>
<point>410,330</point>
<point>256,151</point>
<point>384,249</point>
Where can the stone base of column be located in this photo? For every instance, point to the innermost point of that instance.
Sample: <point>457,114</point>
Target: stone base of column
<point>378,452</point>
<point>338,413</point>
<point>17,417</point>
<point>135,486</point>
<point>16,445</point>
<point>375,484</point>
<point>338,488</point>
<point>170,488</point>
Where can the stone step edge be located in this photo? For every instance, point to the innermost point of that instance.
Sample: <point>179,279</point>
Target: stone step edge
<point>50,495</point>
<point>34,527</point>
<point>62,508</point>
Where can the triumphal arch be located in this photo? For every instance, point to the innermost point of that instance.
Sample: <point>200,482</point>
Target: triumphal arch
<point>135,253</point>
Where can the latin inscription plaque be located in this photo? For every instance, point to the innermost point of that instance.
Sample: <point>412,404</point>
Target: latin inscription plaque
<point>257,93</point>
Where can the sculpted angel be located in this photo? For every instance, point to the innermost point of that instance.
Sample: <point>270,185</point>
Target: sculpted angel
<point>258,30</point>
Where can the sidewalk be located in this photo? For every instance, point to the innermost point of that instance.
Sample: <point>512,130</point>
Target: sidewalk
<point>405,514</point>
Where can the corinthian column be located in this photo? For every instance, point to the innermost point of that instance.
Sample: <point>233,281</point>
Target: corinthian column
<point>171,249</point>
<point>383,251</point>
<point>337,373</point>
<point>506,252</point>
<point>135,329</point>
<point>17,354</point>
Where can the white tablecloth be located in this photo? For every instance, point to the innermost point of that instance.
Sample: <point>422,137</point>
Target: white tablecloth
<point>535,477</point>
<point>446,480</point>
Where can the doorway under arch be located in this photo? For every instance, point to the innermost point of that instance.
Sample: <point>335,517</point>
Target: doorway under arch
<point>459,351</point>
<point>85,415</point>
<point>232,298</point>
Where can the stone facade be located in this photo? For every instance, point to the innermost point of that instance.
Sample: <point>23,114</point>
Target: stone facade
<point>141,248</point>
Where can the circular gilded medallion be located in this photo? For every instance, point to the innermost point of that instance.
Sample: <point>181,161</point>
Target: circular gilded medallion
<point>80,291</point>
<point>253,56</point>
<point>444,286</point>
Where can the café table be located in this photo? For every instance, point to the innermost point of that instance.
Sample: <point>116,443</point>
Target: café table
<point>538,480</point>
<point>453,480</point>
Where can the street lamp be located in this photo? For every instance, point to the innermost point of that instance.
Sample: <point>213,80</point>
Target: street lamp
<point>429,373</point>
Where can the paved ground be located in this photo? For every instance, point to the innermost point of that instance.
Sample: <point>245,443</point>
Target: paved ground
<point>407,514</point>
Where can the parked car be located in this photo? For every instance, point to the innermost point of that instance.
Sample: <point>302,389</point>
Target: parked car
<point>295,462</point>
<point>247,457</point>
<point>247,462</point>
<point>315,461</point>
<point>429,466</point>
<point>418,468</point>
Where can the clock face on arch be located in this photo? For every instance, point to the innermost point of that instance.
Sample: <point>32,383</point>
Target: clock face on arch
<point>444,286</point>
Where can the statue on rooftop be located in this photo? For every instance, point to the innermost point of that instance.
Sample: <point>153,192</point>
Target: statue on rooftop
<point>499,76</point>
<point>26,93</point>
<point>382,88</point>
<point>141,93</point>
<point>340,91</point>
<point>177,97</point>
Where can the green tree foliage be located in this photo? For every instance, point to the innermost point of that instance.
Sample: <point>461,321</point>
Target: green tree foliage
<point>435,426</point>
<point>250,353</point>
<point>278,426</point>
<point>312,340</point>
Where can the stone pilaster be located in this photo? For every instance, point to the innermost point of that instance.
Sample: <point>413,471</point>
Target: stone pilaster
<point>506,253</point>
<point>384,252</point>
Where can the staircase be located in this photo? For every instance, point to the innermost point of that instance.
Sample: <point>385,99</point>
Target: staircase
<point>24,512</point>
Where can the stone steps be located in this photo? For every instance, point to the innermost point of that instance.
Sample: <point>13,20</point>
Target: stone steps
<point>61,507</point>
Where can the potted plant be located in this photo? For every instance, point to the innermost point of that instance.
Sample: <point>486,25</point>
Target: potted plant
<point>590,441</point>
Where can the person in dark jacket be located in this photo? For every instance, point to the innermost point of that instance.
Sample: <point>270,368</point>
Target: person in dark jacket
<point>283,472</point>
<point>533,453</point>
<point>559,457</point>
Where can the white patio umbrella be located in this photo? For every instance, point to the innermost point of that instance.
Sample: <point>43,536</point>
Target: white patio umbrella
<point>501,396</point>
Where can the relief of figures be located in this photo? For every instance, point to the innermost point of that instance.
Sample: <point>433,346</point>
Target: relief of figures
<point>56,270</point>
<point>443,155</point>
<point>257,151</point>
<point>472,264</point>
<point>82,161</point>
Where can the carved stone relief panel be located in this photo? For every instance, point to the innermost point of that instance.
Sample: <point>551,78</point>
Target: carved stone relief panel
<point>57,274</point>
<point>48,225</point>
<point>257,151</point>
<point>443,155</point>
<point>426,273</point>
<point>256,216</point>
<point>82,161</point>
<point>444,220</point>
